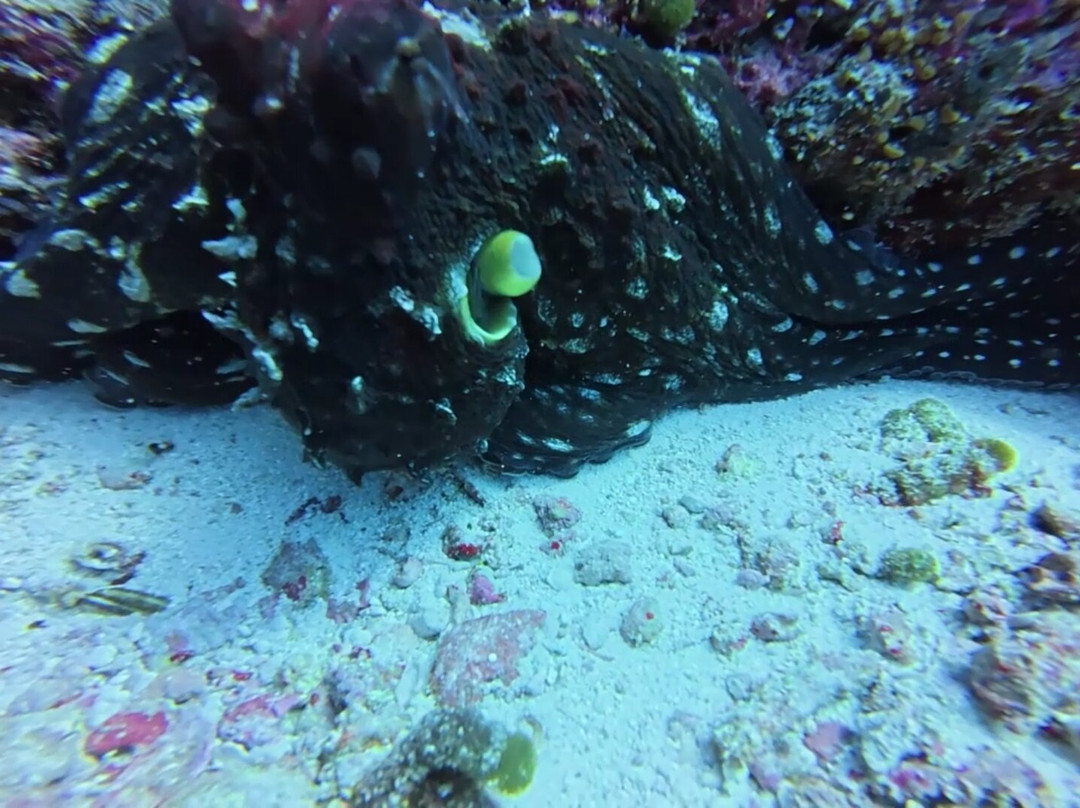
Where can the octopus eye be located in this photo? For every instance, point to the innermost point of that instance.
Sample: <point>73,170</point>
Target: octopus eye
<point>506,266</point>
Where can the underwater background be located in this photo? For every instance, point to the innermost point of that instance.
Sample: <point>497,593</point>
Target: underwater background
<point>845,576</point>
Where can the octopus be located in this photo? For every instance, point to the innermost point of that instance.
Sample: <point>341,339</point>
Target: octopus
<point>449,230</point>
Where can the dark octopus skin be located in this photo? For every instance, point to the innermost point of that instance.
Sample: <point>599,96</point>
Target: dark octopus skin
<point>294,191</point>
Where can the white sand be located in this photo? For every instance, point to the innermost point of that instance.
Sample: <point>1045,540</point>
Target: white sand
<point>675,721</point>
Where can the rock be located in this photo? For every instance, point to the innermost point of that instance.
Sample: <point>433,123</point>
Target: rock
<point>555,514</point>
<point>641,625</point>
<point>906,566</point>
<point>1053,519</point>
<point>605,563</point>
<point>750,578</point>
<point>430,621</point>
<point>484,655</point>
<point>1028,677</point>
<point>775,627</point>
<point>693,505</point>
<point>408,571</point>
<point>675,516</point>
<point>779,563</point>
<point>1053,579</point>
<point>595,633</point>
<point>889,633</point>
<point>936,455</point>
<point>125,732</point>
<point>736,462</point>
<point>300,571</point>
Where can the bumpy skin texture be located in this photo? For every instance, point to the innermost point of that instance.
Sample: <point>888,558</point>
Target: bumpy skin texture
<point>317,179</point>
<point>124,246</point>
<point>349,304</point>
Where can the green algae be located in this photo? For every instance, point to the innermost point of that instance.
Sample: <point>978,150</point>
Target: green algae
<point>905,566</point>
<point>516,765</point>
<point>1002,455</point>
<point>665,18</point>
<point>937,456</point>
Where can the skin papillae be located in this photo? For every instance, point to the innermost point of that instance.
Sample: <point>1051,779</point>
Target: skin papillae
<point>316,180</point>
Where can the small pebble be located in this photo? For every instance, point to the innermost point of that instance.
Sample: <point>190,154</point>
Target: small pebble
<point>642,624</point>
<point>680,546</point>
<point>605,563</point>
<point>555,514</point>
<point>123,478</point>
<point>889,633</point>
<point>751,579</point>
<point>482,591</point>
<point>407,685</point>
<point>1057,521</point>
<point>675,516</point>
<point>693,504</point>
<point>775,627</point>
<point>780,564</point>
<point>735,462</point>
<point>430,621</point>
<point>183,684</point>
<point>396,533</point>
<point>595,634</point>
<point>740,686</point>
<point>99,656</point>
<point>408,571</point>
<point>357,634</point>
<point>987,607</point>
<point>1054,579</point>
<point>684,568</point>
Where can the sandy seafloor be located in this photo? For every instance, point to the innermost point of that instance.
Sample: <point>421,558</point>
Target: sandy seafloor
<point>773,666</point>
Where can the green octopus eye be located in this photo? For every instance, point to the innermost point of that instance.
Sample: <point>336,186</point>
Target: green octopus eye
<point>508,264</point>
<point>505,266</point>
